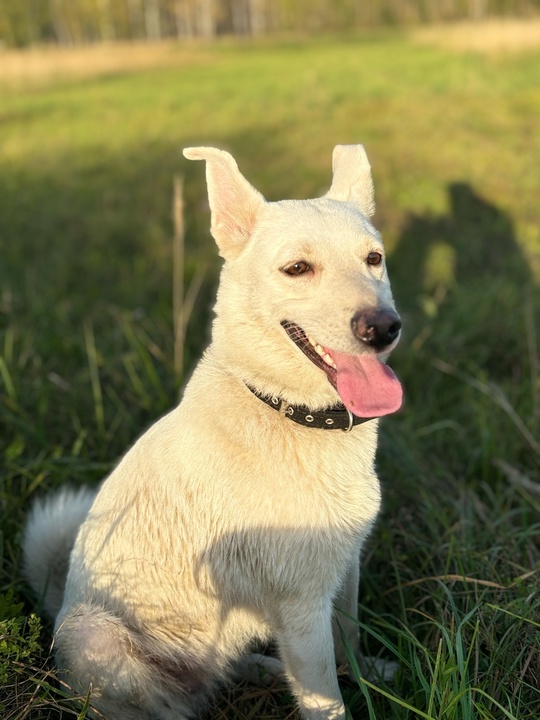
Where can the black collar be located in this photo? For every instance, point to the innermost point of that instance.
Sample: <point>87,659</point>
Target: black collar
<point>336,417</point>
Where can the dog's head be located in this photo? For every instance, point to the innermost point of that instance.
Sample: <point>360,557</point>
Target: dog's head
<point>304,297</point>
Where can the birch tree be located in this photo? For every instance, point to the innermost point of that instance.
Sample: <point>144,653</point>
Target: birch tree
<point>152,19</point>
<point>206,18</point>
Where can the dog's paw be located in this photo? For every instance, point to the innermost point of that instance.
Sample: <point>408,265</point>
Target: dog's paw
<point>378,669</point>
<point>259,669</point>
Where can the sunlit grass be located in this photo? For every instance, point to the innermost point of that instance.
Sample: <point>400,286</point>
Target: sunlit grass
<point>450,587</point>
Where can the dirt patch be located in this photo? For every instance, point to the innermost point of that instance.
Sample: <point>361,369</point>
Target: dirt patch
<point>489,36</point>
<point>43,64</point>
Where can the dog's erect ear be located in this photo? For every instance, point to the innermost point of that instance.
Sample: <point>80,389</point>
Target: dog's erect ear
<point>352,180</point>
<point>234,203</point>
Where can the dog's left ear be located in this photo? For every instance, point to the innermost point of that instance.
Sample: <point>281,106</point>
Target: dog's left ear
<point>234,203</point>
<point>352,181</point>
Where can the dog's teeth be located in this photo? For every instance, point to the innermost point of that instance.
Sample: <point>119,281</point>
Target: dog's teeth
<point>321,352</point>
<point>328,360</point>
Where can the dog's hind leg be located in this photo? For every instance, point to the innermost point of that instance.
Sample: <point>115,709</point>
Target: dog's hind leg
<point>259,669</point>
<point>129,677</point>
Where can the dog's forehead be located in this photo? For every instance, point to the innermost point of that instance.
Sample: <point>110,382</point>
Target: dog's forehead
<point>317,220</point>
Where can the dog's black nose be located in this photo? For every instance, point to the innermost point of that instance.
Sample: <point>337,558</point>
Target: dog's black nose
<point>376,327</point>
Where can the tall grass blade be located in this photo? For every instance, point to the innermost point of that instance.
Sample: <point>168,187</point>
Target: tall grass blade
<point>505,712</point>
<point>396,700</point>
<point>534,360</point>
<point>514,615</point>
<point>8,382</point>
<point>353,663</point>
<point>178,274</point>
<point>434,686</point>
<point>94,376</point>
<point>496,394</point>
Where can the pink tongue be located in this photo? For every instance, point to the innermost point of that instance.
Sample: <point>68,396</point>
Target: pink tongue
<point>367,387</point>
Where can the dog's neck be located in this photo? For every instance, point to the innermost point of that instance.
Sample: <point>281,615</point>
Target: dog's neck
<point>336,417</point>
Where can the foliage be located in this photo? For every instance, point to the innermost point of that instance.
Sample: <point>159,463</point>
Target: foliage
<point>19,647</point>
<point>451,582</point>
<point>19,636</point>
<point>72,22</point>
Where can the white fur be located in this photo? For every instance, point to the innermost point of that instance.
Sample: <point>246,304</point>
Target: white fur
<point>226,522</point>
<point>48,540</point>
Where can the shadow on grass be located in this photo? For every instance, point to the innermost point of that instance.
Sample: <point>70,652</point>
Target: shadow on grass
<point>464,282</point>
<point>95,227</point>
<point>468,301</point>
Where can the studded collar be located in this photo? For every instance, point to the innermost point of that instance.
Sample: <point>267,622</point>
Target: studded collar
<point>336,417</point>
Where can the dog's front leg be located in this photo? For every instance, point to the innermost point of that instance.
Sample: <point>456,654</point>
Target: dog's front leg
<point>303,629</point>
<point>346,631</point>
<point>345,626</point>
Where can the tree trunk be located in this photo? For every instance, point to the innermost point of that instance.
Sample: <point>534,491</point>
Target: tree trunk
<point>478,9</point>
<point>240,17</point>
<point>106,26</point>
<point>152,20</point>
<point>257,16</point>
<point>184,21</point>
<point>207,18</point>
<point>61,28</point>
<point>135,15</point>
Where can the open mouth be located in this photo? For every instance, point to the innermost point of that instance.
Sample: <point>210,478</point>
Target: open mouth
<point>315,352</point>
<point>367,387</point>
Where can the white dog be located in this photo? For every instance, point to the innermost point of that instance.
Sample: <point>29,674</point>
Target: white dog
<point>241,514</point>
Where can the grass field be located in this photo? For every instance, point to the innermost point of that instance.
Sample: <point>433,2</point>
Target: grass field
<point>89,148</point>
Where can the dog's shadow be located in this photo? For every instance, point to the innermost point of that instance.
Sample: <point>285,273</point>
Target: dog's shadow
<point>459,276</point>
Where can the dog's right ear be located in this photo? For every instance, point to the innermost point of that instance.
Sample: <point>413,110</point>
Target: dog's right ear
<point>352,180</point>
<point>234,203</point>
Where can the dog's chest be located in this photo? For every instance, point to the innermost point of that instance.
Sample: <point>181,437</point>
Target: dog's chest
<point>235,514</point>
<point>279,561</point>
<point>292,522</point>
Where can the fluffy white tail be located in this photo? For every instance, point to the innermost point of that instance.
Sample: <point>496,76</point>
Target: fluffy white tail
<point>49,535</point>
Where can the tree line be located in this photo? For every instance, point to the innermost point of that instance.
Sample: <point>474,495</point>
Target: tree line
<point>73,22</point>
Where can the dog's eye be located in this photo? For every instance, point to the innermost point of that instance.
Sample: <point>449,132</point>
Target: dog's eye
<point>297,268</point>
<point>374,258</point>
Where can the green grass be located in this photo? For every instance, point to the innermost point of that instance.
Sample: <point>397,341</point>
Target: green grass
<point>451,582</point>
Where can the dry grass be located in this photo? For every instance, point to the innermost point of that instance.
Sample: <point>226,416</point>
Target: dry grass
<point>39,65</point>
<point>42,64</point>
<point>487,37</point>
